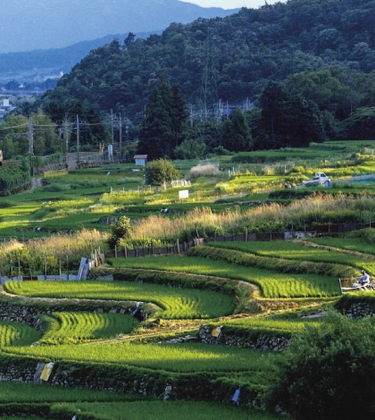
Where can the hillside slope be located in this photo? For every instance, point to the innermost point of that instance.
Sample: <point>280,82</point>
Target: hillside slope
<point>230,58</point>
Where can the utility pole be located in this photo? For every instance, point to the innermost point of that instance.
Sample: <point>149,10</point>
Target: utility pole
<point>120,134</point>
<point>77,138</point>
<point>292,60</point>
<point>66,135</point>
<point>112,128</point>
<point>30,136</point>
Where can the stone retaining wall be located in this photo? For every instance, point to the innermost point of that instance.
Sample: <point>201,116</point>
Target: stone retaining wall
<point>359,309</point>
<point>209,335</point>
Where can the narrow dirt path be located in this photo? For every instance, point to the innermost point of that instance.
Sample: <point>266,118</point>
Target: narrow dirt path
<point>342,250</point>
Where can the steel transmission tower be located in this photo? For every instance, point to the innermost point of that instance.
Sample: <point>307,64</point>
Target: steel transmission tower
<point>209,81</point>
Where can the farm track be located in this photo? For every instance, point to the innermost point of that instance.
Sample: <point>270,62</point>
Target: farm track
<point>342,250</point>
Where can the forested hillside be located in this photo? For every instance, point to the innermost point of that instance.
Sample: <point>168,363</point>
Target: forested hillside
<point>305,66</point>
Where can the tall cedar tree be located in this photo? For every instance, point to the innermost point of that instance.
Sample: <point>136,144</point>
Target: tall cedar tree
<point>163,125</point>
<point>236,136</point>
<point>289,119</point>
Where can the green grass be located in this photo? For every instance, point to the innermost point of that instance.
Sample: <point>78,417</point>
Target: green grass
<point>175,303</point>
<point>172,410</point>
<point>272,284</point>
<point>42,393</point>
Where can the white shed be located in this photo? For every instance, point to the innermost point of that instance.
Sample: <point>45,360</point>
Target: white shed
<point>140,160</point>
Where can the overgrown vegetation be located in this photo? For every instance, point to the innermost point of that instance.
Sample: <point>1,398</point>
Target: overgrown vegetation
<point>328,371</point>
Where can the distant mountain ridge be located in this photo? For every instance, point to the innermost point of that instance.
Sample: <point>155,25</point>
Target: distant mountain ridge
<point>39,65</point>
<point>41,38</point>
<point>39,24</point>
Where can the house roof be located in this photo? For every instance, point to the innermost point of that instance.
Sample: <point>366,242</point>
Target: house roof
<point>140,156</point>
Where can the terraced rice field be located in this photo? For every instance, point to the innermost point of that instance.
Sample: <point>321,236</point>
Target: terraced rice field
<point>272,284</point>
<point>174,303</point>
<point>70,327</point>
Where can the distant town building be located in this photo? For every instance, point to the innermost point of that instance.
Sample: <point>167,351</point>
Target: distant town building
<point>5,108</point>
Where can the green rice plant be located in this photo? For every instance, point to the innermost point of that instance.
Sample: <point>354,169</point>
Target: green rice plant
<point>287,153</point>
<point>299,251</point>
<point>17,334</point>
<point>272,284</point>
<point>352,244</point>
<point>72,327</point>
<point>125,198</point>
<point>187,357</point>
<point>174,303</point>
<point>280,265</point>
<point>269,325</point>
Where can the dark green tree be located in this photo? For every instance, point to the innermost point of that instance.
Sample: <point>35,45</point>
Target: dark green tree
<point>236,135</point>
<point>206,132</point>
<point>163,125</point>
<point>272,103</point>
<point>190,149</point>
<point>360,125</point>
<point>129,40</point>
<point>160,171</point>
<point>288,119</point>
<point>179,115</point>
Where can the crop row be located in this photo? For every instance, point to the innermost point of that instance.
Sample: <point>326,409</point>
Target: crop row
<point>70,327</point>
<point>356,245</point>
<point>278,264</point>
<point>175,303</point>
<point>270,325</point>
<point>15,334</point>
<point>301,252</point>
<point>272,283</point>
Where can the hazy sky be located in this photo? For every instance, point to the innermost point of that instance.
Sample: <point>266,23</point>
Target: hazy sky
<point>232,4</point>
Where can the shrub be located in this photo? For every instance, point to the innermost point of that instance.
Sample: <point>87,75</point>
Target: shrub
<point>328,372</point>
<point>121,231</point>
<point>368,235</point>
<point>159,172</point>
